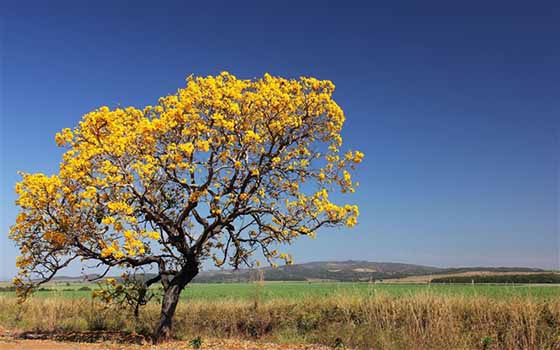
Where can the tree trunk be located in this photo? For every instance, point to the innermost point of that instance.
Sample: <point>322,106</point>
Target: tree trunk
<point>170,300</point>
<point>168,306</point>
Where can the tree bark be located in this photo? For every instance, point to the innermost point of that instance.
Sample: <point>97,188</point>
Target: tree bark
<point>170,300</point>
<point>168,307</point>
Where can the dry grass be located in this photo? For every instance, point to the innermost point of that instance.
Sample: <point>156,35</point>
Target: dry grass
<point>366,322</point>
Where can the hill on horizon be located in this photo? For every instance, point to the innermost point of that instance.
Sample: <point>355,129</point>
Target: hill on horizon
<point>343,271</point>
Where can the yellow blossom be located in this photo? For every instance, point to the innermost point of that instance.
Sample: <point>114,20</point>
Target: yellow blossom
<point>203,145</point>
<point>251,136</point>
<point>108,220</point>
<point>188,148</point>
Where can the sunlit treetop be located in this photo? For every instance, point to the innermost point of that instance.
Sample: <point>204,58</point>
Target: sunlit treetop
<point>222,169</point>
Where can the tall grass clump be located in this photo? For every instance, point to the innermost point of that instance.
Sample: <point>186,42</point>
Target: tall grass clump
<point>376,321</point>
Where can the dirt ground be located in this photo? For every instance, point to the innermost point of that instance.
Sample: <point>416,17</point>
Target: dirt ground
<point>211,344</point>
<point>427,278</point>
<point>9,340</point>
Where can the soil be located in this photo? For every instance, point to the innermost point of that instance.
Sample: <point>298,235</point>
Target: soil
<point>16,340</point>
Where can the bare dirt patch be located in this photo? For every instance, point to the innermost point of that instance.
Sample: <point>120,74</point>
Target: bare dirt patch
<point>14,340</point>
<point>210,344</point>
<point>428,278</point>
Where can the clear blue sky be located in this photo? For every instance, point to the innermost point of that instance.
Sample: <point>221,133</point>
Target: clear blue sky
<point>455,104</point>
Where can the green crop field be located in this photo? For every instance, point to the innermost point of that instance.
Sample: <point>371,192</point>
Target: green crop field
<point>296,290</point>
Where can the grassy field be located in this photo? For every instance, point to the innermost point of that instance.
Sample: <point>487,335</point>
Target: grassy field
<point>355,315</point>
<point>343,319</point>
<point>297,290</point>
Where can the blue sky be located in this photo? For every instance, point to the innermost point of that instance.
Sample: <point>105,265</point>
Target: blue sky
<point>455,105</point>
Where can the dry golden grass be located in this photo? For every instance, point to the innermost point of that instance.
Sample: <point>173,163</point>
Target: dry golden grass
<point>366,322</point>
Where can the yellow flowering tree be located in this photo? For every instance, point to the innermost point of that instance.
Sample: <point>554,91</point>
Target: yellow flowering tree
<point>221,170</point>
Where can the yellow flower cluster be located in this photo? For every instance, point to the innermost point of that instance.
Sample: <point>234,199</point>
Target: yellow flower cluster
<point>112,250</point>
<point>89,193</point>
<point>64,137</point>
<point>355,157</point>
<point>203,145</point>
<point>188,148</point>
<point>251,136</point>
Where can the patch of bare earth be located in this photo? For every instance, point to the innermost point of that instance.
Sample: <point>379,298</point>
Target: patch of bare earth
<point>428,278</point>
<point>14,340</point>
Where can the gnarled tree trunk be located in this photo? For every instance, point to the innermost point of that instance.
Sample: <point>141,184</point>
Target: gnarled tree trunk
<point>170,300</point>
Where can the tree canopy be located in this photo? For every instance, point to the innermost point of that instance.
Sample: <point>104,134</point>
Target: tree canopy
<point>220,170</point>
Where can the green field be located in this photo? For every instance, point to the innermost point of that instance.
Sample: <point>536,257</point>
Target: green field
<point>296,290</point>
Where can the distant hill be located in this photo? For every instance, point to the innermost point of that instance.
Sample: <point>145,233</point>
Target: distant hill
<point>344,271</point>
<point>83,278</point>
